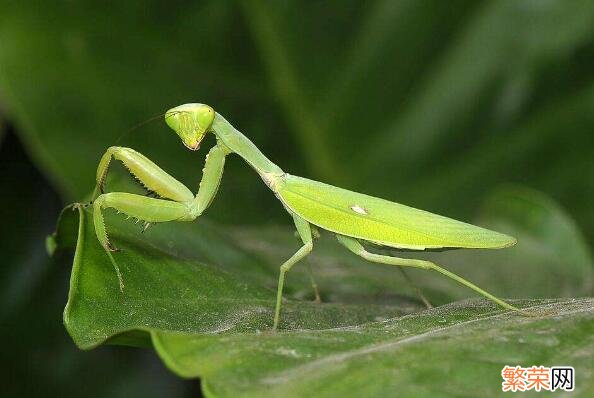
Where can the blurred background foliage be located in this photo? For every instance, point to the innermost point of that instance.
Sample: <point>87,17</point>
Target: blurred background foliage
<point>430,103</point>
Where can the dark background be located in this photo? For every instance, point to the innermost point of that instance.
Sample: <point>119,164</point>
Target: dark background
<point>430,103</point>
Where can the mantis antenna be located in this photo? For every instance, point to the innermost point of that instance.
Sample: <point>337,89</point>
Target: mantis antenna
<point>139,125</point>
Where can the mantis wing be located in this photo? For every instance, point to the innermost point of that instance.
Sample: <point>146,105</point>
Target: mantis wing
<point>381,221</point>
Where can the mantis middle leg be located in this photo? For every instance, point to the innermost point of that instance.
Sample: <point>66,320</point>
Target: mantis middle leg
<point>304,230</point>
<point>357,248</point>
<point>314,285</point>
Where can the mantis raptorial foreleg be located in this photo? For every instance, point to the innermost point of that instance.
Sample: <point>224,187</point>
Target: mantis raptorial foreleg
<point>304,230</point>
<point>147,172</point>
<point>183,206</point>
<point>147,209</point>
<point>357,248</point>
<point>140,207</point>
<point>211,178</point>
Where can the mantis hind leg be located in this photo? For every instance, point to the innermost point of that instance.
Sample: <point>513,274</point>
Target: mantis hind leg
<point>304,230</point>
<point>416,288</point>
<point>145,171</point>
<point>357,248</point>
<point>314,284</point>
<point>147,209</point>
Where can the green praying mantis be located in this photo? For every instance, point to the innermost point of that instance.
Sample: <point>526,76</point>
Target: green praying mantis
<point>353,217</point>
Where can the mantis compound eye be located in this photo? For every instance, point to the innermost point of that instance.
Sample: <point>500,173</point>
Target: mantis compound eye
<point>191,122</point>
<point>204,117</point>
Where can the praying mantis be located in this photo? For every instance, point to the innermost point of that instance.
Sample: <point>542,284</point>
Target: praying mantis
<point>353,217</point>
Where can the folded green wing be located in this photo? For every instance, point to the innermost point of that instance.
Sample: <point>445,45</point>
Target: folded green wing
<point>381,221</point>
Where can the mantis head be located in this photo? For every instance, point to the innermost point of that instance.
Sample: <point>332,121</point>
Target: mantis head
<point>191,122</point>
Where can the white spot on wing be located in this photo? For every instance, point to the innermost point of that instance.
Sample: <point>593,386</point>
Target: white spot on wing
<point>359,210</point>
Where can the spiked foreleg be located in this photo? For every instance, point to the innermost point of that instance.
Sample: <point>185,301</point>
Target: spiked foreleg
<point>147,209</point>
<point>211,178</point>
<point>137,206</point>
<point>148,174</point>
<point>183,207</point>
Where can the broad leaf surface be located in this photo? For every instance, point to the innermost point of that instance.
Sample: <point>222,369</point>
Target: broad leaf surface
<point>167,289</point>
<point>453,350</point>
<point>209,317</point>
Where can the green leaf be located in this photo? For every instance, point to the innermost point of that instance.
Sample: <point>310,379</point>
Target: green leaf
<point>453,350</point>
<point>551,258</point>
<point>168,288</point>
<point>213,321</point>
